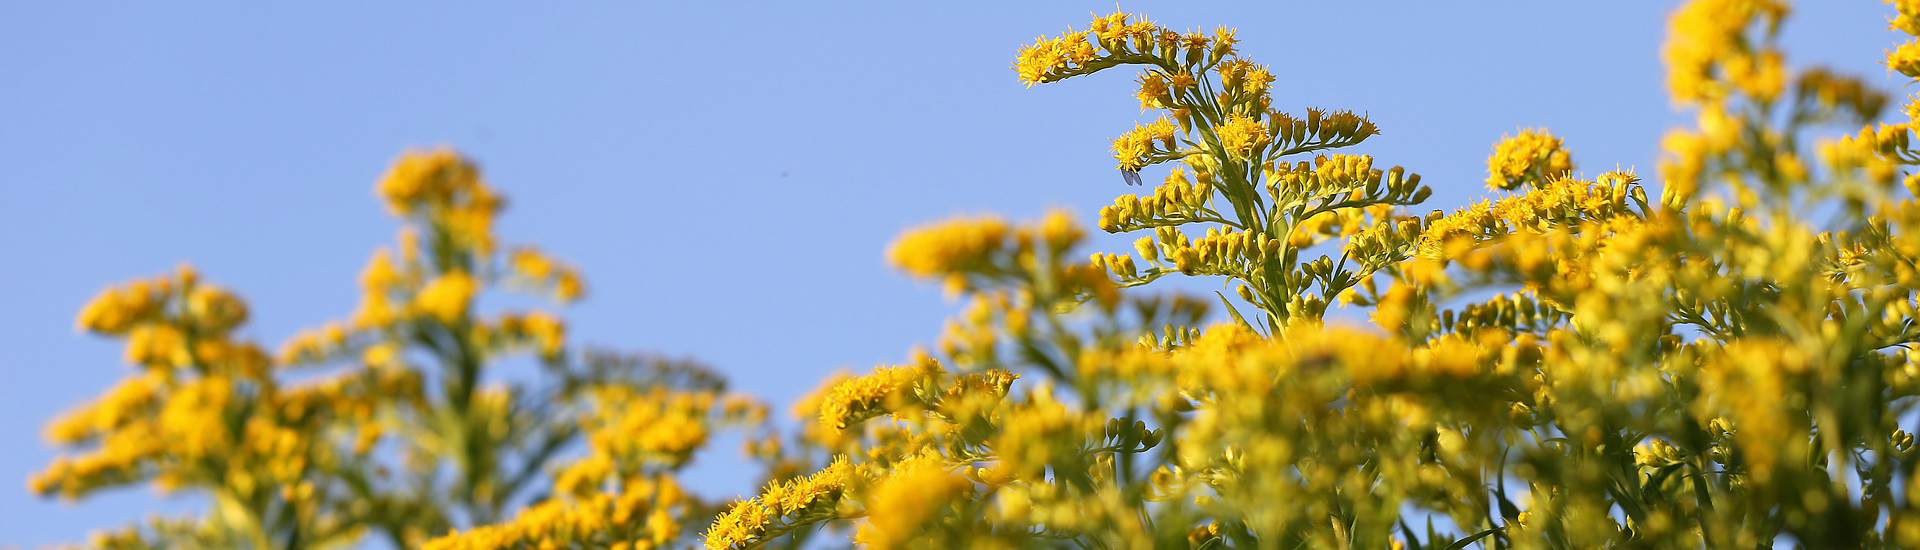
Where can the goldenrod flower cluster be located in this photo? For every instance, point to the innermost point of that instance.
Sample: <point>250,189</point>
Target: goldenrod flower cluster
<point>783,507</point>
<point>904,502</point>
<point>1145,144</point>
<point>396,436</point>
<point>447,191</point>
<point>205,410</point>
<point>968,253</point>
<point>1243,137</point>
<point>644,516</point>
<point>855,399</point>
<point>1531,159</point>
<point>537,269</point>
<point>1218,119</point>
<point>1553,204</point>
<point>958,247</point>
<point>621,494</point>
<point>655,426</point>
<point>1711,53</point>
<point>1572,365</point>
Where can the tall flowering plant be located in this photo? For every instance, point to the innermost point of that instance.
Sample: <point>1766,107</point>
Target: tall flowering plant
<point>392,424</point>
<point>1710,367</point>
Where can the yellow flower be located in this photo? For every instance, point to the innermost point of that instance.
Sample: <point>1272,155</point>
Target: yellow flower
<point>741,523</point>
<point>377,281</point>
<point>857,399</point>
<point>1135,148</point>
<point>530,263</point>
<point>1241,136</point>
<point>1906,59</point>
<point>214,310</point>
<point>1059,231</point>
<point>1112,26</point>
<point>568,287</point>
<point>1224,42</point>
<point>547,332</point>
<point>1702,35</point>
<point>1050,59</point>
<point>158,346</point>
<point>115,310</point>
<point>906,500</point>
<point>1531,158</point>
<point>447,297</point>
<point>130,400</point>
<point>424,176</point>
<point>1762,76</point>
<point>381,354</point>
<point>1154,93</point>
<point>1908,20</point>
<point>639,515</point>
<point>949,247</point>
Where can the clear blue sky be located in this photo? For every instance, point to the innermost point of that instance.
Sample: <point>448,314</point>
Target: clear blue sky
<point>726,174</point>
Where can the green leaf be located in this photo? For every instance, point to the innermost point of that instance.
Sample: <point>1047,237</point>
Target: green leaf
<point>1413,539</point>
<point>1234,312</point>
<point>1462,543</point>
<point>1700,490</point>
<point>1652,484</point>
<point>1508,510</point>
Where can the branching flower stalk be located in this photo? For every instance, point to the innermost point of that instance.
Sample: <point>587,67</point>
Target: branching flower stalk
<point>1224,129</point>
<point>401,433</point>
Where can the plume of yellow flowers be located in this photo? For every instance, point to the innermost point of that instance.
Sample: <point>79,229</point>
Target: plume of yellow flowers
<point>1532,158</point>
<point>397,436</point>
<point>1570,365</point>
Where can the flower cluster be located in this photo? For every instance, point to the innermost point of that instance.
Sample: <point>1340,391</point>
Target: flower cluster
<point>446,190</point>
<point>206,410</point>
<point>1710,55</point>
<point>856,399</point>
<point>1559,203</point>
<point>781,508</point>
<point>1688,373</point>
<point>1531,159</point>
<point>643,516</point>
<point>1258,211</point>
<point>396,436</point>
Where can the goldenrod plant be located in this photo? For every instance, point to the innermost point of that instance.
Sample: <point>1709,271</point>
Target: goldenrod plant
<point>1571,365</point>
<point>1574,363</point>
<point>393,424</point>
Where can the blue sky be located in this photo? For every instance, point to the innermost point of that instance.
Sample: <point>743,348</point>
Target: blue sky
<point>726,174</point>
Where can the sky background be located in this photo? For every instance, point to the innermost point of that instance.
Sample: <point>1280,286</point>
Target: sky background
<point>726,174</point>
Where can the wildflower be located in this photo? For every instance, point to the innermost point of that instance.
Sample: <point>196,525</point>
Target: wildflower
<point>447,297</point>
<point>1704,35</point>
<point>1905,59</point>
<point>1154,93</point>
<point>1908,18</point>
<point>117,309</point>
<point>1137,147</point>
<point>423,176</point>
<point>905,499</point>
<point>1241,136</point>
<point>859,398</point>
<point>954,246</point>
<point>1050,59</point>
<point>1531,158</point>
